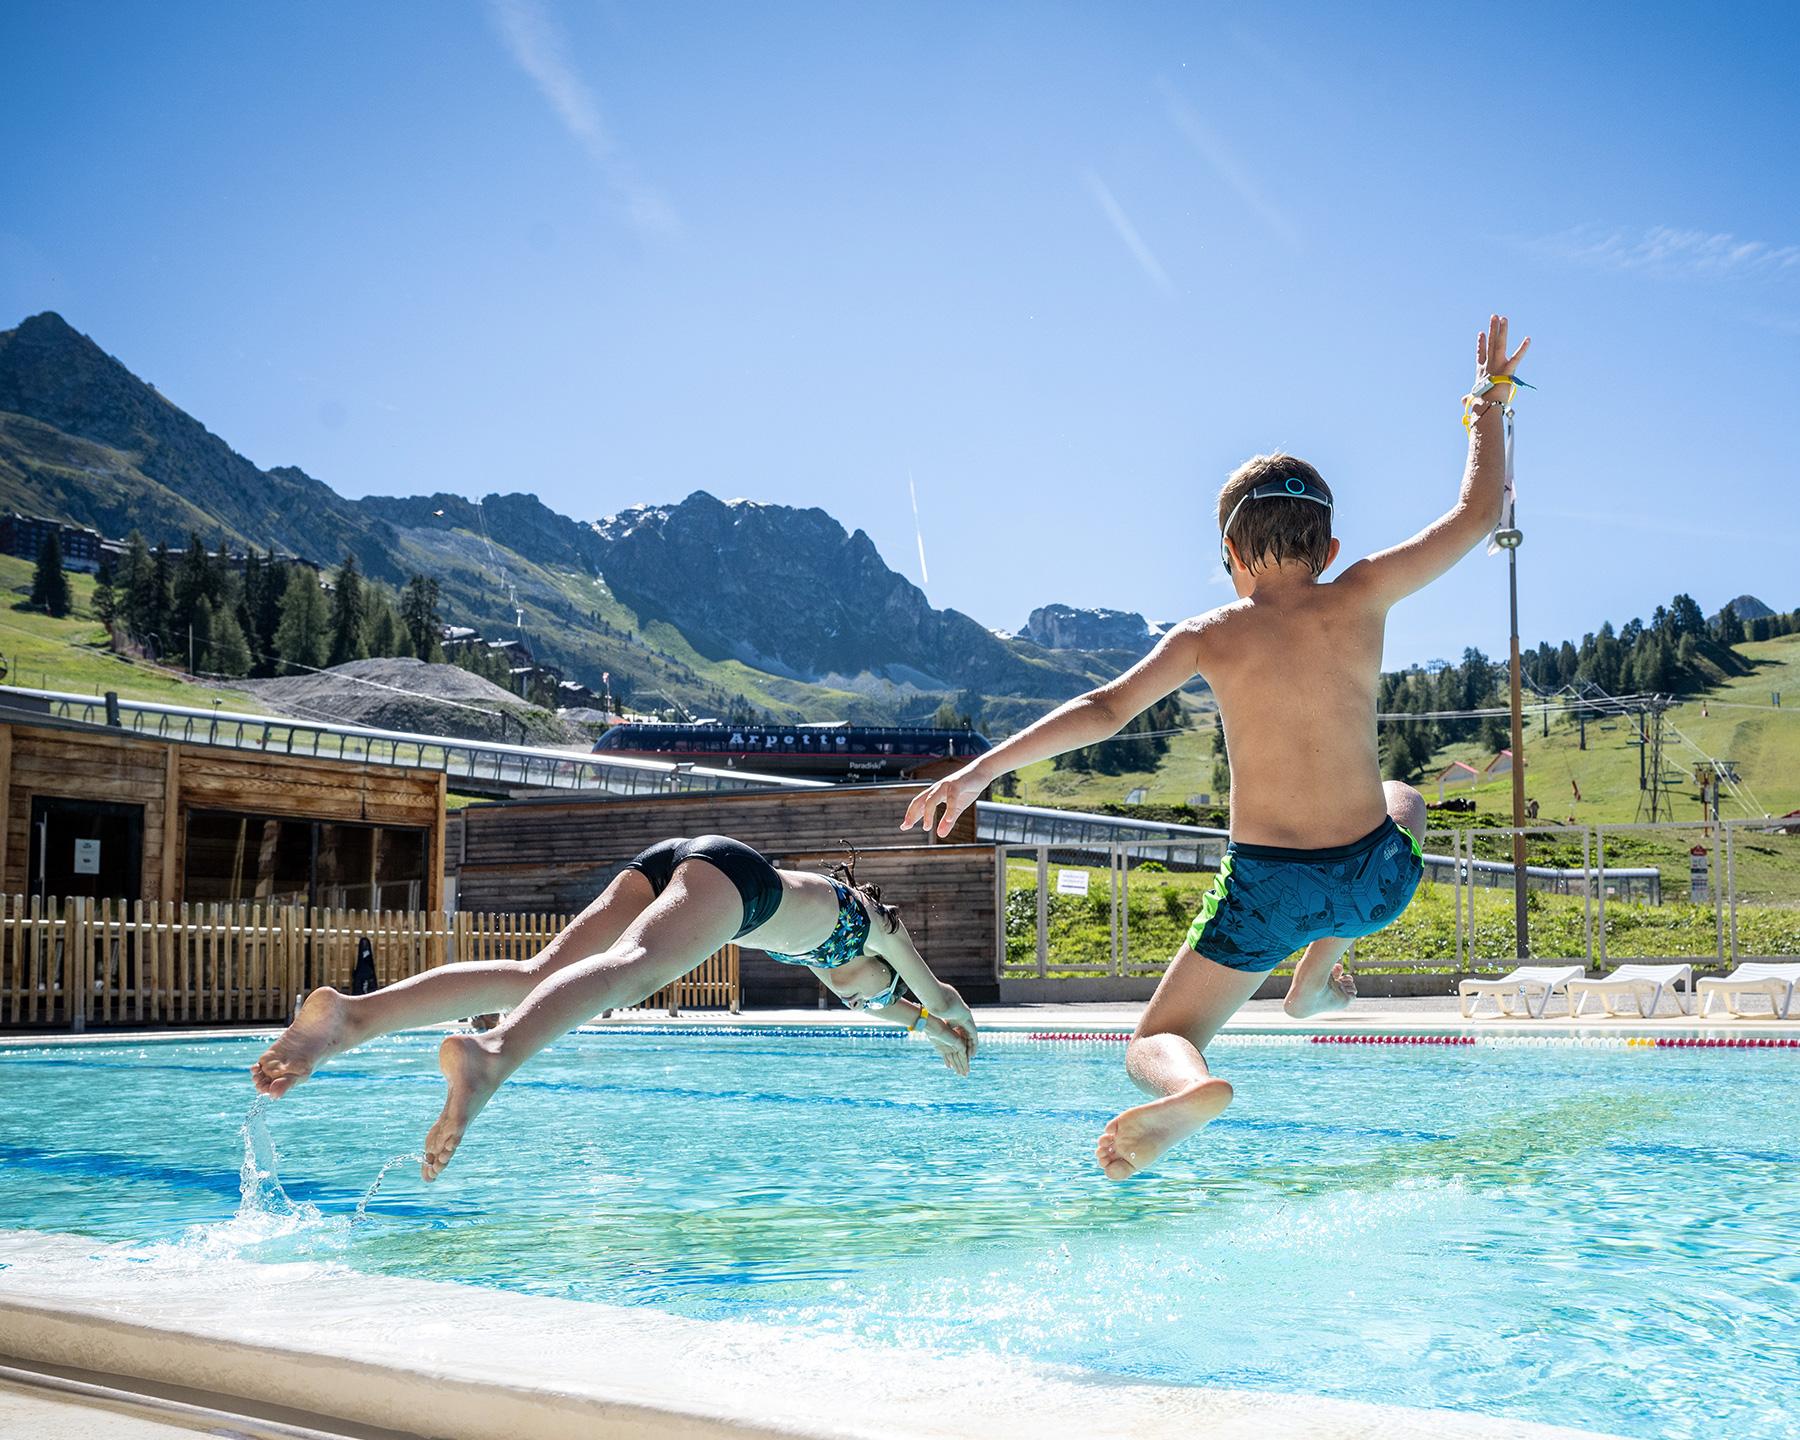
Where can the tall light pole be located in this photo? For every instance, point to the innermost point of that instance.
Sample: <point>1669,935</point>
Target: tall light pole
<point>1509,540</point>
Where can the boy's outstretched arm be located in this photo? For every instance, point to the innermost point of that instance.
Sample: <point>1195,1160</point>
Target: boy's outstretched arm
<point>1086,720</point>
<point>1391,575</point>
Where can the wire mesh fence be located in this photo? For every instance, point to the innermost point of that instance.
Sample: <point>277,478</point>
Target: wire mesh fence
<point>1709,893</point>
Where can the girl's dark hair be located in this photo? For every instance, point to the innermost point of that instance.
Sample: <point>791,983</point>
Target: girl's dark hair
<point>844,872</point>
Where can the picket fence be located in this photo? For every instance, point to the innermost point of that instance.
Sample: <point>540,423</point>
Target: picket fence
<point>75,963</point>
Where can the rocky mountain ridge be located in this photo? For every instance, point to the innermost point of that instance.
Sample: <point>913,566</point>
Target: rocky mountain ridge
<point>699,600</point>
<point>1067,627</point>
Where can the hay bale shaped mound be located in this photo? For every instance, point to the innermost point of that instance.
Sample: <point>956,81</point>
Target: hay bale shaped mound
<point>411,695</point>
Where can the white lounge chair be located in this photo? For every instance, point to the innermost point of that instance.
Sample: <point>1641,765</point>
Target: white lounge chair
<point>1643,984</point>
<point>1754,977</point>
<point>1543,981</point>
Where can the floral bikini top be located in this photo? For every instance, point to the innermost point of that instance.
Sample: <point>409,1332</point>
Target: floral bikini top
<point>846,940</point>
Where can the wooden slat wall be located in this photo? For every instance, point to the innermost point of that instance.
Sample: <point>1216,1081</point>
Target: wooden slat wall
<point>108,768</point>
<point>525,834</point>
<point>945,895</point>
<point>297,786</point>
<point>558,855</point>
<point>83,765</point>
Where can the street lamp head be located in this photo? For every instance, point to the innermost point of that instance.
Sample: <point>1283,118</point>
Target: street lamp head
<point>1509,539</point>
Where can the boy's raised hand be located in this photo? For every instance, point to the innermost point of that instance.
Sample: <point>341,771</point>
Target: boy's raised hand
<point>953,795</point>
<point>1491,359</point>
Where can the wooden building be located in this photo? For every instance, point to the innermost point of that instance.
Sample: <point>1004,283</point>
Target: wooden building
<point>556,854</point>
<point>89,810</point>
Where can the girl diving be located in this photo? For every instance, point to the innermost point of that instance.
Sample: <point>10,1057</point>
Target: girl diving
<point>671,907</point>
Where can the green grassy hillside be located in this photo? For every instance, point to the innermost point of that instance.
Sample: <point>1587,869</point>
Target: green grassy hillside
<point>1184,771</point>
<point>1764,743</point>
<point>71,654</point>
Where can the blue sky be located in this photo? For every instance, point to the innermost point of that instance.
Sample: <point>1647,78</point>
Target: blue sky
<point>1062,265</point>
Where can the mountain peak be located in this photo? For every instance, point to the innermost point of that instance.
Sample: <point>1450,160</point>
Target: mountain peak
<point>1070,627</point>
<point>1748,608</point>
<point>48,324</point>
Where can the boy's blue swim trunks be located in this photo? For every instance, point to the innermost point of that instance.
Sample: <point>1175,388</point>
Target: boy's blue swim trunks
<point>1269,902</point>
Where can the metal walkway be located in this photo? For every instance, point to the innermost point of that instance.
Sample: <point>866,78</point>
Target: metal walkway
<point>473,766</point>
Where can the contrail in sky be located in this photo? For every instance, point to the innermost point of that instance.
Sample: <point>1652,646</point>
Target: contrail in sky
<point>913,490</point>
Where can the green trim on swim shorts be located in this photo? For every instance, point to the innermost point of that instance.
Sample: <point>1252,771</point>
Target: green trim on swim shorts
<point>1418,849</point>
<point>1209,906</point>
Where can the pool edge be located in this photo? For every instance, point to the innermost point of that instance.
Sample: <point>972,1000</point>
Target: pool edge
<point>495,1373</point>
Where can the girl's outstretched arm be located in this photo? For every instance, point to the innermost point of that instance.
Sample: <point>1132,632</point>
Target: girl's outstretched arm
<point>953,1042</point>
<point>897,948</point>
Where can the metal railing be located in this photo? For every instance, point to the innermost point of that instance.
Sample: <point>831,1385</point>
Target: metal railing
<point>482,766</point>
<point>1097,907</point>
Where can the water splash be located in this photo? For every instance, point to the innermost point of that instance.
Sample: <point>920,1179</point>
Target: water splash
<point>259,1184</point>
<point>362,1205</point>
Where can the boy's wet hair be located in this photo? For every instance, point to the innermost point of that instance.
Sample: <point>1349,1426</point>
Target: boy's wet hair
<point>1275,529</point>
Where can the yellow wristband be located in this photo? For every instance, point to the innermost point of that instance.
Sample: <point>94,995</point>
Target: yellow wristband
<point>919,1024</point>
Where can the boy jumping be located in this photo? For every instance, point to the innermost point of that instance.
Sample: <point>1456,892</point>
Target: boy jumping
<point>1321,850</point>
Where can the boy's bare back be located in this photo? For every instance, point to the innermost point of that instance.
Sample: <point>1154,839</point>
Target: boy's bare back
<point>1294,666</point>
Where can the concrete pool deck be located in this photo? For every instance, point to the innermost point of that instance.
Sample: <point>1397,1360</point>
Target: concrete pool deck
<point>321,1350</point>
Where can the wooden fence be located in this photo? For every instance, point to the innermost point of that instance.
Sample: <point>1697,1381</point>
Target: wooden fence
<point>77,962</point>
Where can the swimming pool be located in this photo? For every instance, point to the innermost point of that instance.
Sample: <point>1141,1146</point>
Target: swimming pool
<point>1597,1238</point>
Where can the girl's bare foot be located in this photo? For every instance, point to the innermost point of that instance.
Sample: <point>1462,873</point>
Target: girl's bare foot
<point>323,1028</point>
<point>1338,991</point>
<point>1136,1139</point>
<point>473,1074</point>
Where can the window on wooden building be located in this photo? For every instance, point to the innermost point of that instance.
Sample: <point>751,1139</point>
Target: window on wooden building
<point>236,858</point>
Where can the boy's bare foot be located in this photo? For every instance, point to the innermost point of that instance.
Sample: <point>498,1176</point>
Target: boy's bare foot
<point>1135,1140</point>
<point>323,1028</point>
<point>1338,991</point>
<point>473,1074</point>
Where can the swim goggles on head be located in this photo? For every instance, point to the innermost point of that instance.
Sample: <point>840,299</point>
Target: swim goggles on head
<point>1293,487</point>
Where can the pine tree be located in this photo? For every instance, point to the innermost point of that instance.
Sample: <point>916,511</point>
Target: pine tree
<point>266,618</point>
<point>419,613</point>
<point>1685,617</point>
<point>106,597</point>
<point>349,607</point>
<point>387,636</point>
<point>1567,664</point>
<point>250,599</point>
<point>49,586</point>
<point>1221,770</point>
<point>302,639</point>
<point>136,583</point>
<point>194,582</point>
<point>161,597</point>
<point>1731,629</point>
<point>230,652</point>
<point>1400,751</point>
<point>199,636</point>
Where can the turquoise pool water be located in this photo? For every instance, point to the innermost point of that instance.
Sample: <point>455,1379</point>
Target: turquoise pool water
<point>1597,1238</point>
